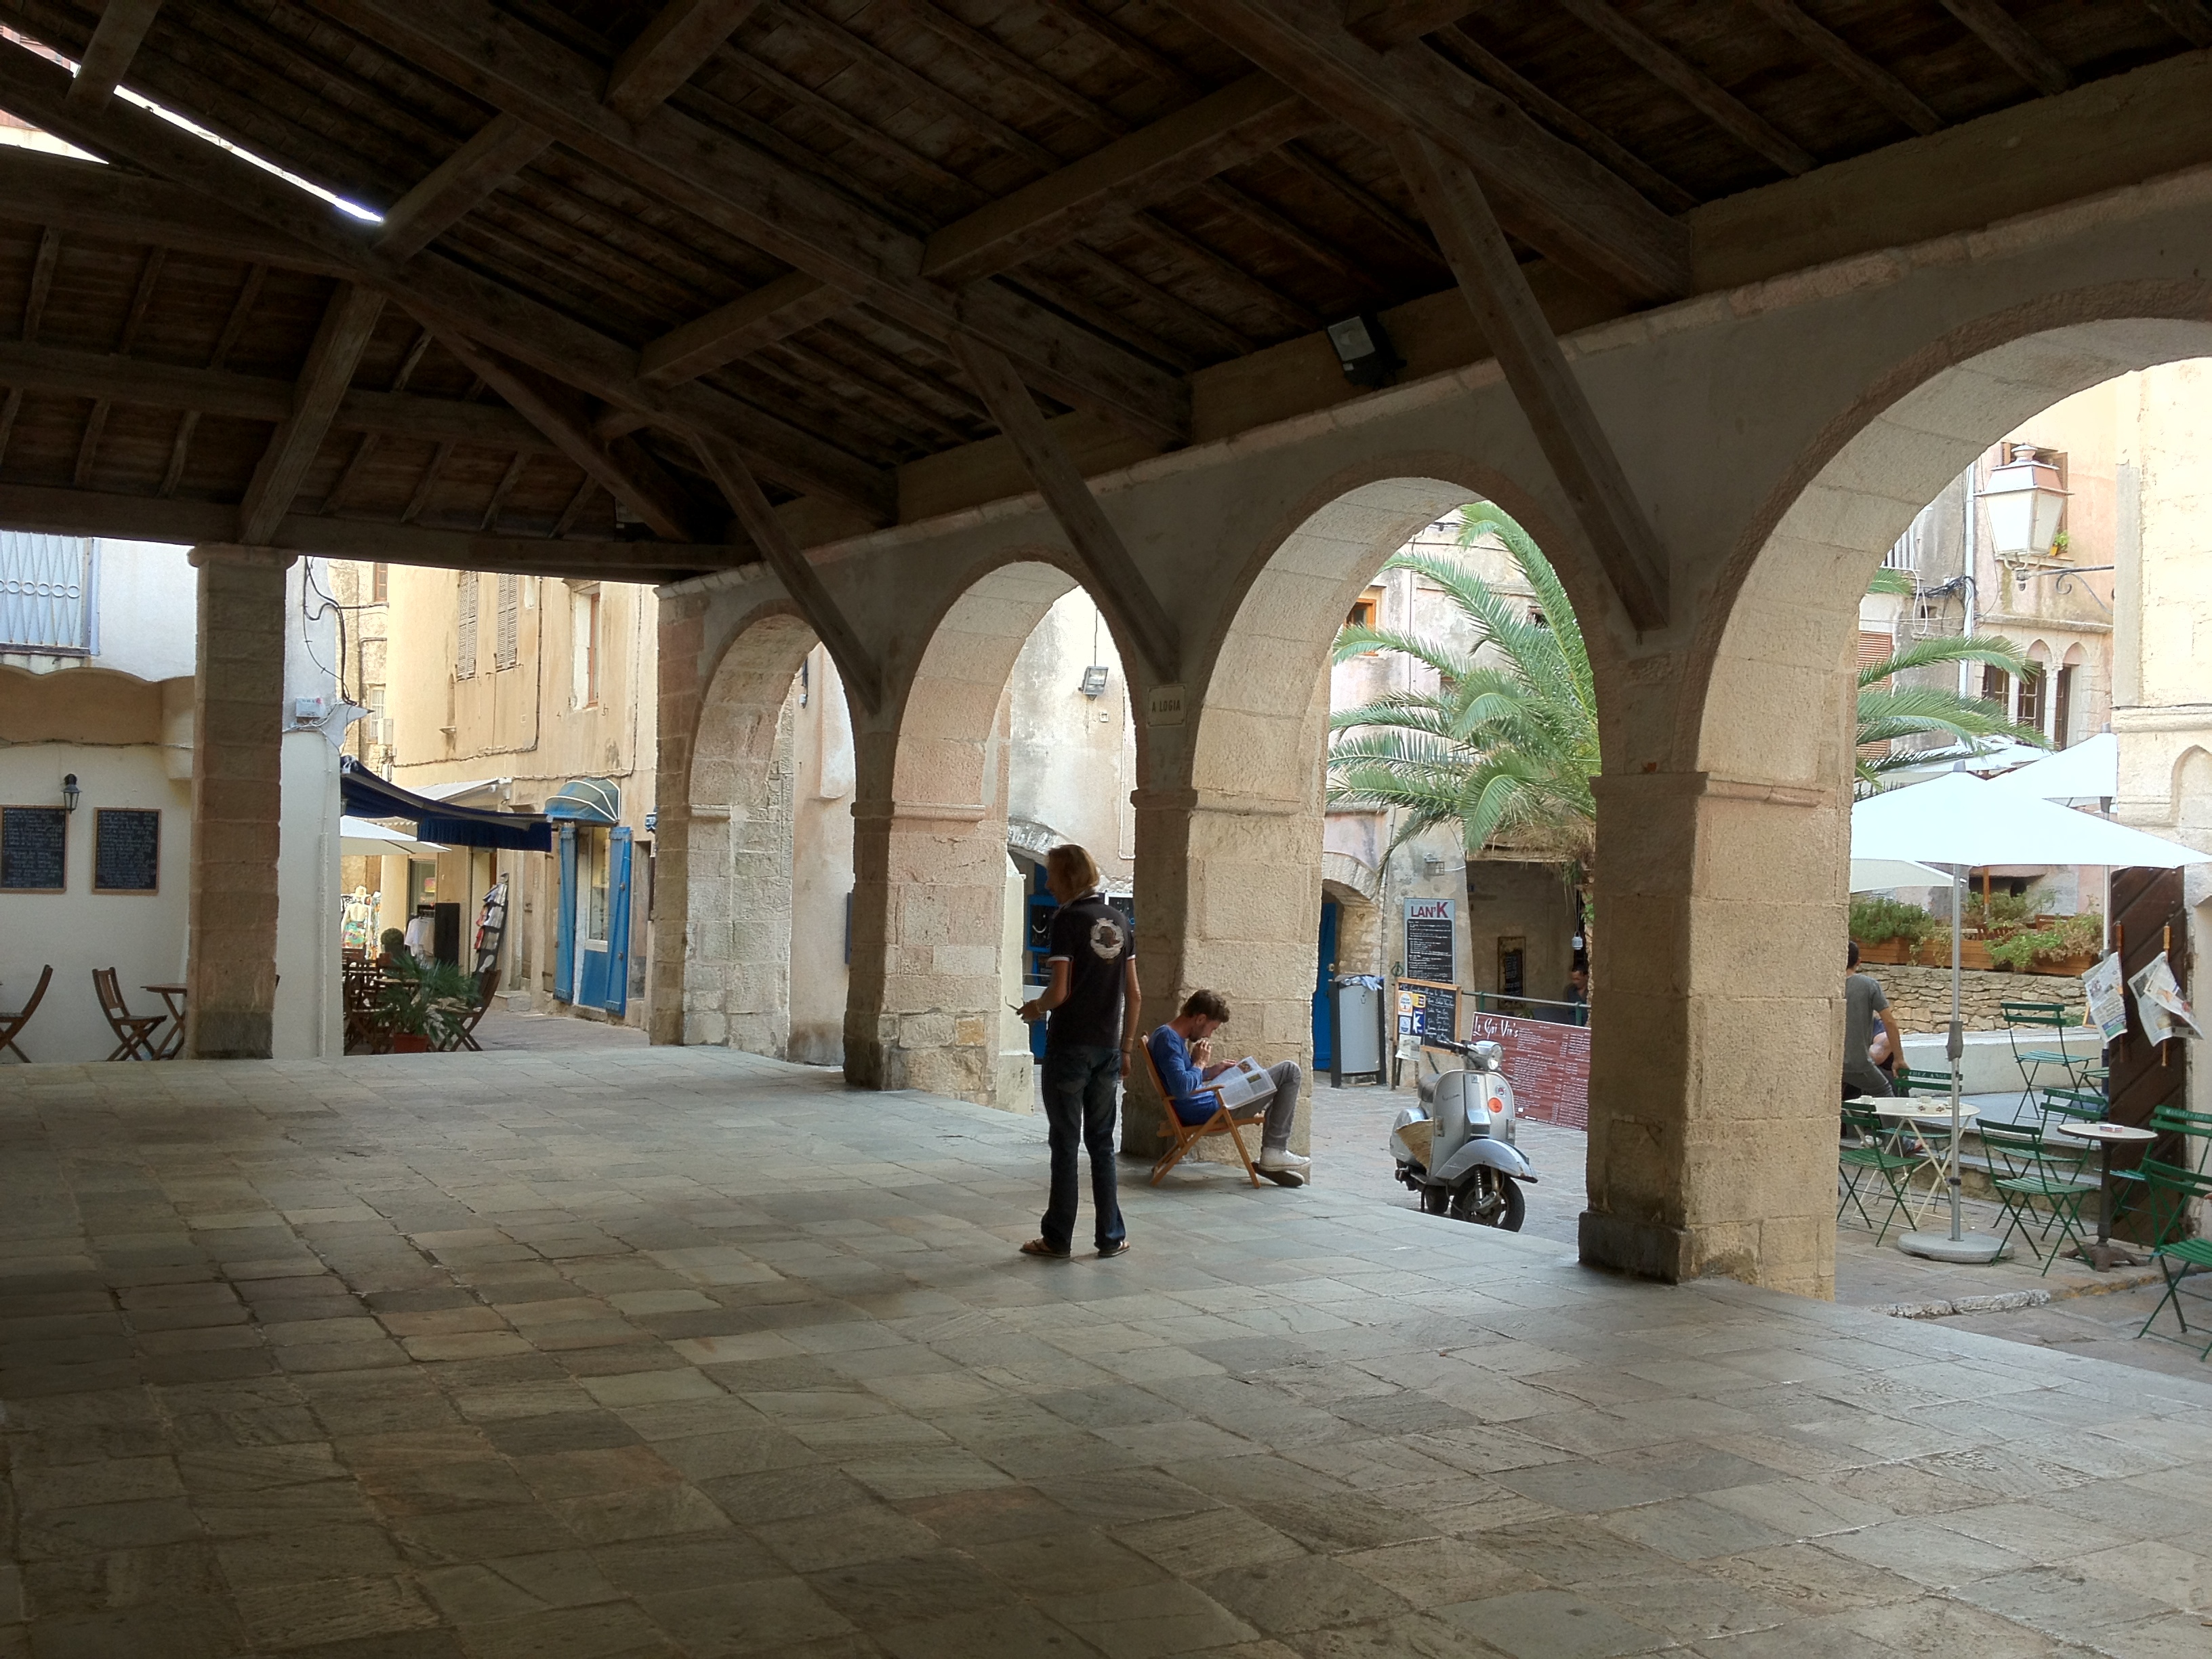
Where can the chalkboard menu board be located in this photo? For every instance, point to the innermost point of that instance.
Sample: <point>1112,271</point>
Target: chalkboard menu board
<point>1428,947</point>
<point>126,850</point>
<point>1429,1012</point>
<point>34,849</point>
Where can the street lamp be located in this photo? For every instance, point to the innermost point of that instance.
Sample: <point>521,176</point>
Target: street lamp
<point>2025,500</point>
<point>69,792</point>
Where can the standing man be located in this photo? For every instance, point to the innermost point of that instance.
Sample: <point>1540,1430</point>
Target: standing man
<point>1090,1009</point>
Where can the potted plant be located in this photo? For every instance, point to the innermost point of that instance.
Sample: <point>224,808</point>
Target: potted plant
<point>1888,930</point>
<point>424,1004</point>
<point>2056,944</point>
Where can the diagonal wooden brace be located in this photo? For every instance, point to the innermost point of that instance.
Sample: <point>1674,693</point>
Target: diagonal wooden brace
<point>726,467</point>
<point>1567,427</point>
<point>1127,597</point>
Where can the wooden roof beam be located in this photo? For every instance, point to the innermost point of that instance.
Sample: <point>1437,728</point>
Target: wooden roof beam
<point>1584,218</point>
<point>863,678</point>
<point>1243,120</point>
<point>1877,82</point>
<point>790,303</point>
<point>1460,44</point>
<point>682,36</point>
<point>633,476</point>
<point>348,322</point>
<point>2019,50</point>
<point>1715,102</point>
<point>1386,23</point>
<point>2190,19</point>
<point>750,194</point>
<point>470,303</point>
<point>1630,551</point>
<point>123,24</point>
<point>1115,579</point>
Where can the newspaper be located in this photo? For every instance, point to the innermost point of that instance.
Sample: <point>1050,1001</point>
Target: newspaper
<point>2108,1000</point>
<point>2159,1000</point>
<point>1242,1084</point>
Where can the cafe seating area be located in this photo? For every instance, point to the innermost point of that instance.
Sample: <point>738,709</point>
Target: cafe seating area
<point>396,1004</point>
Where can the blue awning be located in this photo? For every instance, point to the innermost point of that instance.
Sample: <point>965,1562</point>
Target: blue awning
<point>585,800</point>
<point>366,795</point>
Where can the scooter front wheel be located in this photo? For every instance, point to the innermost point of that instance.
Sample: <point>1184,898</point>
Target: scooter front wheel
<point>1491,1200</point>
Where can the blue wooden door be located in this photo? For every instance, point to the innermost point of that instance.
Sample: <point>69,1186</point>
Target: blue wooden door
<point>1324,1047</point>
<point>617,992</point>
<point>564,920</point>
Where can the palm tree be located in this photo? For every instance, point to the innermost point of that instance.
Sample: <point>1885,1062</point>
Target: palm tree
<point>1506,744</point>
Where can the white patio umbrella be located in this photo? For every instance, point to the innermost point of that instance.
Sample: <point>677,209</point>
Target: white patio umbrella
<point>2090,770</point>
<point>362,838</point>
<point>1869,875</point>
<point>1961,820</point>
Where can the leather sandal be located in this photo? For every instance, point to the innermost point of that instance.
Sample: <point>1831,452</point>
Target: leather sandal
<point>1038,1247</point>
<point>1108,1252</point>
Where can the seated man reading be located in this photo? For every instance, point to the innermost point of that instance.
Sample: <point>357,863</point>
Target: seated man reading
<point>1182,1050</point>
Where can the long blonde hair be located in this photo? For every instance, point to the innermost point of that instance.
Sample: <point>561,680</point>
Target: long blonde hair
<point>1074,866</point>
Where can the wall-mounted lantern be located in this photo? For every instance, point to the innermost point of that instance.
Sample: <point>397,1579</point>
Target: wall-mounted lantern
<point>70,791</point>
<point>2026,498</point>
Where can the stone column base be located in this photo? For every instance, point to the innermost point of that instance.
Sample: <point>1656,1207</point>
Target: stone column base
<point>1647,1249</point>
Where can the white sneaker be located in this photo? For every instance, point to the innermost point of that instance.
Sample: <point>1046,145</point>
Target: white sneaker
<point>1286,1161</point>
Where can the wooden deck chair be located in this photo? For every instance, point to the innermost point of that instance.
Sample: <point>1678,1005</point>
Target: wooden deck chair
<point>465,1036</point>
<point>134,1033</point>
<point>1187,1135</point>
<point>11,1025</point>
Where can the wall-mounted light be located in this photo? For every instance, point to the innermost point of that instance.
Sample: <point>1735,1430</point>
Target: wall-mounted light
<point>2025,500</point>
<point>1094,680</point>
<point>1364,350</point>
<point>70,791</point>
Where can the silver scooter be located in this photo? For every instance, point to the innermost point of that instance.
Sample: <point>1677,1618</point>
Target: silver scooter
<point>1455,1149</point>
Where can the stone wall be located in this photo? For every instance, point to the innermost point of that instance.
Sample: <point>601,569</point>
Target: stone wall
<point>1920,997</point>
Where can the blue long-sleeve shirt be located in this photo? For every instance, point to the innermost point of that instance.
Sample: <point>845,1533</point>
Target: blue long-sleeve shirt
<point>1171,1054</point>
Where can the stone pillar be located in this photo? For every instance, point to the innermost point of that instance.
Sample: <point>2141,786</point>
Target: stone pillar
<point>682,627</point>
<point>1718,950</point>
<point>237,796</point>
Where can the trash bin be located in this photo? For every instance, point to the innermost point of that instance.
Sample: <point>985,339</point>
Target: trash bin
<point>1358,1045</point>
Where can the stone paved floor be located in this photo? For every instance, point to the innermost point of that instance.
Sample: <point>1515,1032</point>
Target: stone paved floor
<point>652,1351</point>
<point>499,1032</point>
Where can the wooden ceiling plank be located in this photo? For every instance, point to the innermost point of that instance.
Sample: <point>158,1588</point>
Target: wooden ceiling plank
<point>241,308</point>
<point>1385,23</point>
<point>501,148</point>
<point>1410,237</point>
<point>786,306</point>
<point>1710,99</point>
<point>503,489</point>
<point>1243,120</point>
<point>575,510</point>
<point>2190,19</point>
<point>42,285</point>
<point>1062,297</point>
<point>475,304</point>
<point>1459,43</point>
<point>150,274</point>
<point>682,36</point>
<point>1223,337</point>
<point>791,215</point>
<point>123,24</point>
<point>348,321</point>
<point>1288,313</point>
<point>2013,46</point>
<point>1563,203</point>
<point>1272,223</point>
<point>635,478</point>
<point>1134,48</point>
<point>1114,578</point>
<point>1567,427</point>
<point>1831,49</point>
<point>75,196</point>
<point>728,468</point>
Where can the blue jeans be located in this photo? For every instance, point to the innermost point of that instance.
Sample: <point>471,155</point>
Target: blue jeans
<point>1079,1105</point>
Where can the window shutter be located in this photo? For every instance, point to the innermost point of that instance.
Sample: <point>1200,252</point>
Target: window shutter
<point>465,650</point>
<point>509,622</point>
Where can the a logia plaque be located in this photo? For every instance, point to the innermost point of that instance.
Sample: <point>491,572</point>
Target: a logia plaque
<point>34,849</point>
<point>126,850</point>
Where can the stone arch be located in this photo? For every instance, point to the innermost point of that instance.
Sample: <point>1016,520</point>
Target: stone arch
<point>736,968</point>
<point>936,901</point>
<point>1359,881</point>
<point>1721,911</point>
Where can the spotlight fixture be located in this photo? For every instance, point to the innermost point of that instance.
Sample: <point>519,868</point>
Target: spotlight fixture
<point>1094,680</point>
<point>1364,350</point>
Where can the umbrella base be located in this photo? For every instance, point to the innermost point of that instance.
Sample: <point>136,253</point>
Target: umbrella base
<point>1971,1247</point>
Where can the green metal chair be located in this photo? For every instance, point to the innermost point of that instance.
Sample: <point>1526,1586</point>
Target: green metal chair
<point>2040,1184</point>
<point>1922,1082</point>
<point>2026,1019</point>
<point>1871,1161</point>
<point>2166,1120</point>
<point>2172,1189</point>
<point>2074,1105</point>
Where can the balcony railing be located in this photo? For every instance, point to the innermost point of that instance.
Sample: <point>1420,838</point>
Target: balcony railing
<point>47,594</point>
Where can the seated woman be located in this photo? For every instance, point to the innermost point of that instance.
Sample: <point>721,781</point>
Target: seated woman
<point>1182,1051</point>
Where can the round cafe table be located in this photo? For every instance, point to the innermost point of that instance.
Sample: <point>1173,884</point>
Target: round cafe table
<point>1898,1111</point>
<point>2103,1254</point>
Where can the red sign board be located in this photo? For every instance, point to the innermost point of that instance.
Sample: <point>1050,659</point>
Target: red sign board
<point>1548,1065</point>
